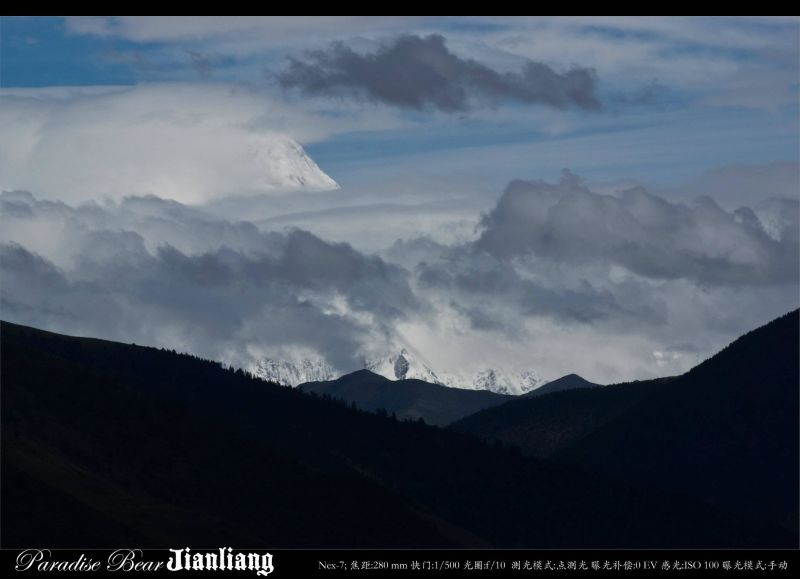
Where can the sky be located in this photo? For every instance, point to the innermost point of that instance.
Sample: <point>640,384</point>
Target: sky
<point>615,196</point>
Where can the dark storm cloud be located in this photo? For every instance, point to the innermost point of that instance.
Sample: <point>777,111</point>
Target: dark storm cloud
<point>418,72</point>
<point>642,233</point>
<point>231,301</point>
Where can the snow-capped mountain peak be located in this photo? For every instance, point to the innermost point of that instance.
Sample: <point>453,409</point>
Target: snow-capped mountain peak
<point>292,373</point>
<point>282,163</point>
<point>402,366</point>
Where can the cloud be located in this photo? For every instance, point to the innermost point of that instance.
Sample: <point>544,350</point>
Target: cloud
<point>742,184</point>
<point>419,72</point>
<point>740,62</point>
<point>238,33</point>
<point>191,143</point>
<point>475,276</point>
<point>641,232</point>
<point>558,279</point>
<point>223,290</point>
<point>202,63</point>
<point>612,286</point>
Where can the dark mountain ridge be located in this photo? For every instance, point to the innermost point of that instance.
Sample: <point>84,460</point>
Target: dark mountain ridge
<point>726,432</point>
<point>540,426</point>
<point>148,447</point>
<point>568,382</point>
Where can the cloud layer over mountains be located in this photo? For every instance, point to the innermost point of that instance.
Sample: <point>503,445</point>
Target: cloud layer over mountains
<point>560,279</point>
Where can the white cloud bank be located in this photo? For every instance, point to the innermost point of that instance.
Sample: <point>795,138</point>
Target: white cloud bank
<point>189,143</point>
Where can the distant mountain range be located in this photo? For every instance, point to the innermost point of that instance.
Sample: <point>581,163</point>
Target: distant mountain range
<point>403,365</point>
<point>406,399</point>
<point>416,399</point>
<point>108,444</point>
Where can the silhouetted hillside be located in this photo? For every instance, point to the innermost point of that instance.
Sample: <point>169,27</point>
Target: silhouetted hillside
<point>103,441</point>
<point>412,399</point>
<point>725,432</point>
<point>568,382</point>
<point>93,456</point>
<point>542,425</point>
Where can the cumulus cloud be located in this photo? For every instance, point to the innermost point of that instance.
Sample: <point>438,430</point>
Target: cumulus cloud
<point>612,286</point>
<point>191,143</point>
<point>419,72</point>
<point>223,290</point>
<point>641,232</point>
